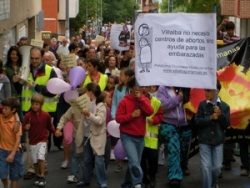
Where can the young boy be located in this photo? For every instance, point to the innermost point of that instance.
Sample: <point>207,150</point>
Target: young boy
<point>10,149</point>
<point>37,122</point>
<point>212,118</point>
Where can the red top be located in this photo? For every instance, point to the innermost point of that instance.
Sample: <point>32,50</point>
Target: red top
<point>40,123</point>
<point>128,124</point>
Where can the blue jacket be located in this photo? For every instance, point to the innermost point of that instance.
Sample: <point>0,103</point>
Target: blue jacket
<point>173,112</point>
<point>118,95</point>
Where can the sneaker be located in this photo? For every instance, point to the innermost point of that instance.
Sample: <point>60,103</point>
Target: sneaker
<point>215,186</point>
<point>65,164</point>
<point>112,155</point>
<point>36,182</point>
<point>29,175</point>
<point>138,186</point>
<point>82,184</point>
<point>72,179</point>
<point>244,172</point>
<point>119,168</point>
<point>42,182</point>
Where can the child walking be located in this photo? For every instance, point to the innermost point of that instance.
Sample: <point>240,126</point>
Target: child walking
<point>94,145</point>
<point>212,119</point>
<point>131,114</point>
<point>120,91</point>
<point>38,122</point>
<point>10,150</point>
<point>73,114</point>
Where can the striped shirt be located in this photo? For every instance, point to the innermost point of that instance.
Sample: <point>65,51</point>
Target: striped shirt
<point>226,38</point>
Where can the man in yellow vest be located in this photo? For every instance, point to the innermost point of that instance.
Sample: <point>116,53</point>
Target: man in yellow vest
<point>39,75</point>
<point>149,161</point>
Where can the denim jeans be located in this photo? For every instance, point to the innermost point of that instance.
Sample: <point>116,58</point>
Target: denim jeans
<point>76,159</point>
<point>133,146</point>
<point>211,161</point>
<point>88,158</point>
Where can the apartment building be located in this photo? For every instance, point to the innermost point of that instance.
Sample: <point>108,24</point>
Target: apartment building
<point>17,19</point>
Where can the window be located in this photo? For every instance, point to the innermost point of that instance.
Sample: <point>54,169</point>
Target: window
<point>4,9</point>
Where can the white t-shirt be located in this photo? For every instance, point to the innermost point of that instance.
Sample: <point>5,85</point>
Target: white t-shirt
<point>64,50</point>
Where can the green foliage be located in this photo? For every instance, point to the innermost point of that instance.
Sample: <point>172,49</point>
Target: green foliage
<point>178,6</point>
<point>109,10</point>
<point>201,6</point>
<point>118,10</point>
<point>194,6</point>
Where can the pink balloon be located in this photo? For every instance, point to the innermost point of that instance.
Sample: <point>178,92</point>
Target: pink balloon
<point>119,151</point>
<point>57,86</point>
<point>113,129</point>
<point>69,95</point>
<point>76,76</point>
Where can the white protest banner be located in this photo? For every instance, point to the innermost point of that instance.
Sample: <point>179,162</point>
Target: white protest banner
<point>69,60</point>
<point>38,43</point>
<point>120,37</point>
<point>177,49</point>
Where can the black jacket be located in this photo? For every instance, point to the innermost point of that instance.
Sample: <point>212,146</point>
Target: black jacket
<point>212,132</point>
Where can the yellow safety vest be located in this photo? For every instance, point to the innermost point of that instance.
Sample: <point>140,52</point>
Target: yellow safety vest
<point>50,103</point>
<point>151,137</point>
<point>102,82</point>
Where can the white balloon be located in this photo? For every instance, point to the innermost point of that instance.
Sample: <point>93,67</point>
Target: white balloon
<point>57,86</point>
<point>113,129</point>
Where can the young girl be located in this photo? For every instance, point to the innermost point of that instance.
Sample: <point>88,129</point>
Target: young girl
<point>110,88</point>
<point>94,144</point>
<point>131,114</point>
<point>120,91</point>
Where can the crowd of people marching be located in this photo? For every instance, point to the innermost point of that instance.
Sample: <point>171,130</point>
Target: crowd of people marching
<point>149,117</point>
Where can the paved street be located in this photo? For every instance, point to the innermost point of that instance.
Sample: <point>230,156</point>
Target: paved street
<point>56,177</point>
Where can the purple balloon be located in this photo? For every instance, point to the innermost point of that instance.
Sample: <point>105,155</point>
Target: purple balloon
<point>119,151</point>
<point>76,76</point>
<point>70,95</point>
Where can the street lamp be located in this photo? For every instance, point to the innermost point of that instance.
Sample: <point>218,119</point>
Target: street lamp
<point>67,19</point>
<point>170,5</point>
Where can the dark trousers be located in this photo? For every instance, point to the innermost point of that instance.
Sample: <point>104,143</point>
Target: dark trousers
<point>244,157</point>
<point>149,164</point>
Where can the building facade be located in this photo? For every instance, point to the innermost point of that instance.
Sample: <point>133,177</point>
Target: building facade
<point>18,19</point>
